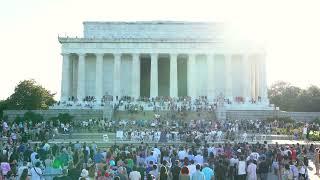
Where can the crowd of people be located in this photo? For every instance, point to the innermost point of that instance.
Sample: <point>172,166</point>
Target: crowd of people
<point>157,103</point>
<point>196,156</point>
<point>201,129</point>
<point>200,157</point>
<point>27,160</point>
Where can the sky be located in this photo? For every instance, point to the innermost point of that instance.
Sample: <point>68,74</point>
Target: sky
<point>29,32</point>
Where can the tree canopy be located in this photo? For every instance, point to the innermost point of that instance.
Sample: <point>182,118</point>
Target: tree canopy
<point>28,95</point>
<point>292,98</point>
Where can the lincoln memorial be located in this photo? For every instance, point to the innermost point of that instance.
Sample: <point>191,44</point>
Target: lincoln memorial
<point>160,58</point>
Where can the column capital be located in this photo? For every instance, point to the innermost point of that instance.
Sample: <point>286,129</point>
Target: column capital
<point>135,54</point>
<point>65,54</point>
<point>117,55</point>
<point>175,55</point>
<point>154,55</point>
<point>81,54</point>
<point>192,55</point>
<point>210,55</point>
<point>99,54</point>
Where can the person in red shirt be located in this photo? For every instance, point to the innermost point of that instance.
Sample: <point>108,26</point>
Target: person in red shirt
<point>293,154</point>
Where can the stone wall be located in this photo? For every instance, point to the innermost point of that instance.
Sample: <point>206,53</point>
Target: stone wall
<point>79,114</point>
<point>264,114</point>
<point>303,116</point>
<point>231,114</point>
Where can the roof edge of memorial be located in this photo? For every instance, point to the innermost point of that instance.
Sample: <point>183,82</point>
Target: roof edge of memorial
<point>134,40</point>
<point>151,22</point>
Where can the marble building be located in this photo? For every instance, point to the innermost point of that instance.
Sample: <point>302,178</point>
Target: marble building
<point>160,58</point>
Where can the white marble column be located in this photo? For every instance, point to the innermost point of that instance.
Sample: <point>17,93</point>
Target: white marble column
<point>66,77</point>
<point>99,77</point>
<point>154,76</point>
<point>246,91</point>
<point>228,76</point>
<point>135,76</point>
<point>191,75</point>
<point>210,63</point>
<point>264,86</point>
<point>173,75</point>
<point>116,75</point>
<point>253,79</point>
<point>81,77</point>
<point>257,79</point>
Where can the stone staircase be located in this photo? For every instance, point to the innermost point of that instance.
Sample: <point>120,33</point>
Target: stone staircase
<point>108,111</point>
<point>221,113</point>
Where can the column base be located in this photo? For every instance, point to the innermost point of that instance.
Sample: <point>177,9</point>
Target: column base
<point>63,99</point>
<point>247,100</point>
<point>265,100</point>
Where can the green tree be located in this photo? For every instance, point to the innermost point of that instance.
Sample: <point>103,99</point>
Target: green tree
<point>284,95</point>
<point>34,117</point>
<point>65,118</point>
<point>3,106</point>
<point>28,95</point>
<point>292,98</point>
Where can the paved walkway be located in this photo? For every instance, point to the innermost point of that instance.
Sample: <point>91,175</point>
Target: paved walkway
<point>311,173</point>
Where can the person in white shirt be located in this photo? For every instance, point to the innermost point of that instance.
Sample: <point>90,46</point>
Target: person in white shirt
<point>46,146</point>
<point>33,157</point>
<point>303,171</point>
<point>36,172</point>
<point>252,171</point>
<point>198,159</point>
<point>233,161</point>
<point>192,168</point>
<point>241,169</point>
<point>254,155</point>
<point>156,152</point>
<point>182,154</point>
<point>135,175</point>
<point>212,149</point>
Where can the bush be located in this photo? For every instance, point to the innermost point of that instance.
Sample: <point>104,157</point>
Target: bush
<point>316,121</point>
<point>64,118</point>
<point>285,120</point>
<point>18,119</point>
<point>33,117</point>
<point>314,135</point>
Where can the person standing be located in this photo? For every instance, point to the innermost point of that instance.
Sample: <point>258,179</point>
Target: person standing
<point>198,175</point>
<point>184,174</point>
<point>208,172</point>
<point>36,172</point>
<point>252,170</point>
<point>317,160</point>
<point>263,169</point>
<point>241,169</point>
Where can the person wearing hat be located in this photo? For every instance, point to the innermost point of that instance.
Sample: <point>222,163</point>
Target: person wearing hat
<point>84,175</point>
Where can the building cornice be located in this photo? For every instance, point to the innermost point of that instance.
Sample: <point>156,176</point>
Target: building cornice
<point>134,40</point>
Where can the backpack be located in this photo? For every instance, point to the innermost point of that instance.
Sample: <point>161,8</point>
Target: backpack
<point>205,152</point>
<point>289,155</point>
